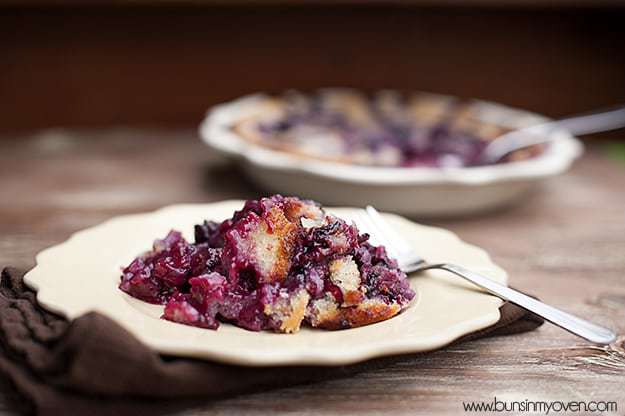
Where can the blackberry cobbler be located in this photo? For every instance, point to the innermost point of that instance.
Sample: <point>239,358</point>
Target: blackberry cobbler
<point>276,263</point>
<point>387,129</point>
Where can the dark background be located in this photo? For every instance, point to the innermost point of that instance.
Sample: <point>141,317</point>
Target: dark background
<point>164,63</point>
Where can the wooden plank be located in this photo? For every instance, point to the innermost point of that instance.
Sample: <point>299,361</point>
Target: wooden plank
<point>565,244</point>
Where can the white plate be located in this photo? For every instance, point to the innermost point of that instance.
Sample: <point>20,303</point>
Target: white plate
<point>419,191</point>
<point>82,275</point>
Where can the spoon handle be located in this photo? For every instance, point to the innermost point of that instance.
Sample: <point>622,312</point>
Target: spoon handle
<point>594,122</point>
<point>603,120</point>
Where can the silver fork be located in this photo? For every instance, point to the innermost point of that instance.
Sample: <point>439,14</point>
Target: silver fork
<point>371,222</point>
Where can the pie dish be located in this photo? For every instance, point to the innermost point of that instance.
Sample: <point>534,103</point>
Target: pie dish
<point>82,274</point>
<point>388,129</point>
<point>276,263</point>
<point>442,185</point>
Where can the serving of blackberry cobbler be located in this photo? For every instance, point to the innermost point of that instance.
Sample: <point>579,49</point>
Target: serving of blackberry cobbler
<point>277,263</point>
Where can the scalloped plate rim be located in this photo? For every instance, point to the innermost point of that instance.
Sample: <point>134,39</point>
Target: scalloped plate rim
<point>51,297</point>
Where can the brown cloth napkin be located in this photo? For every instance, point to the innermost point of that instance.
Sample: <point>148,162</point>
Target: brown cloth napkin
<point>91,366</point>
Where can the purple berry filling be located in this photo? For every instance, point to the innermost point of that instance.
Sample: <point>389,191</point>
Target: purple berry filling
<point>263,269</point>
<point>390,130</point>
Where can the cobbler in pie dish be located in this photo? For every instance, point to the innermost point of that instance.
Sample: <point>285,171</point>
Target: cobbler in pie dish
<point>276,264</point>
<point>387,129</point>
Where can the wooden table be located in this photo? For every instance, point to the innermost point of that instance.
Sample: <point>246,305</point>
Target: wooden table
<point>565,244</point>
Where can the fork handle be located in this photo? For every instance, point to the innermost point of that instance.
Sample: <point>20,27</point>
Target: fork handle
<point>573,324</point>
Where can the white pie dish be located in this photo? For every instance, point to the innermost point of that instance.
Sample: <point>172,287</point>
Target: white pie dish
<point>82,275</point>
<point>418,191</point>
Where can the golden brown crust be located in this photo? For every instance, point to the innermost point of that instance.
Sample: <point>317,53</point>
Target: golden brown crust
<point>326,316</point>
<point>286,232</point>
<point>352,297</point>
<point>292,149</point>
<point>345,275</point>
<point>248,130</point>
<point>290,311</point>
<point>295,210</point>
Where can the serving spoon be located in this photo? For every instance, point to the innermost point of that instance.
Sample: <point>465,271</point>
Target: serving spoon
<point>578,125</point>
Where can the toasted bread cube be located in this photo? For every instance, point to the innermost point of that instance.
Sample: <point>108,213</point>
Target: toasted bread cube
<point>345,275</point>
<point>324,313</point>
<point>289,310</point>
<point>264,244</point>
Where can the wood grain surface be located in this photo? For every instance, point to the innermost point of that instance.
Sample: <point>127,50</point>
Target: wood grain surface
<point>565,243</point>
